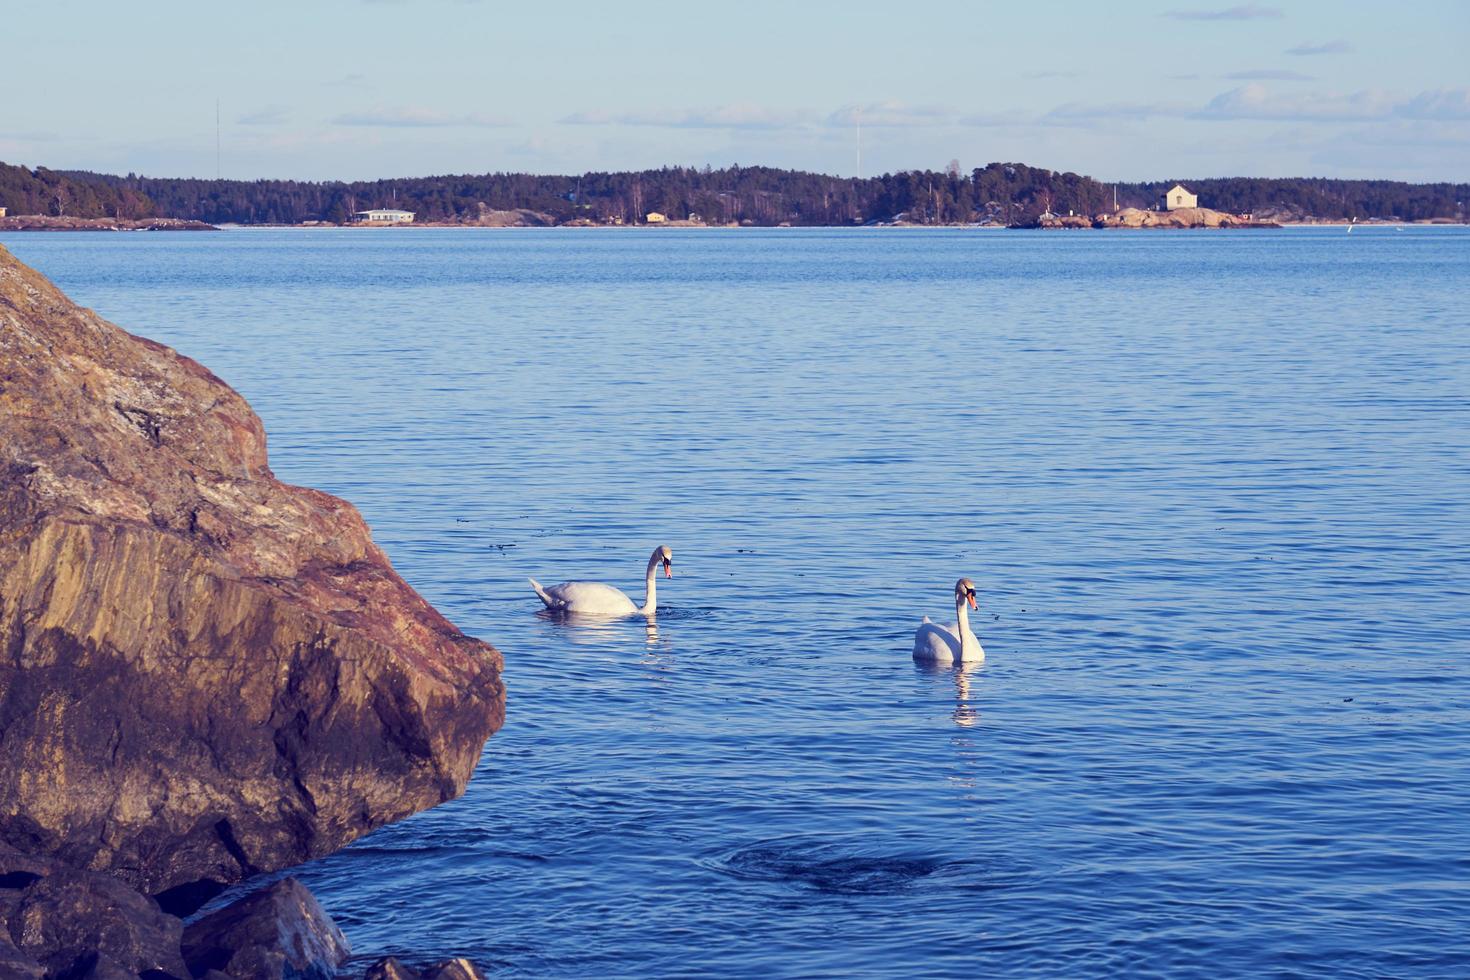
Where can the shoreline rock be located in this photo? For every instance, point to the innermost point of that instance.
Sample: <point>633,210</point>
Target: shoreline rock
<point>205,674</point>
<point>276,933</point>
<point>46,222</point>
<point>57,923</point>
<point>1138,218</point>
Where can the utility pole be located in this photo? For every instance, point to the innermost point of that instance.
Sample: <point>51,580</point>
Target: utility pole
<point>858,115</point>
<point>216,139</point>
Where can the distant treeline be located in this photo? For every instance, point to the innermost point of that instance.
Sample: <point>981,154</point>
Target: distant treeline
<point>1006,193</point>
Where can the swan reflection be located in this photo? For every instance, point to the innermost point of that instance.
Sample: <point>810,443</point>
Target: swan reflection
<point>658,656</point>
<point>965,714</point>
<point>590,630</point>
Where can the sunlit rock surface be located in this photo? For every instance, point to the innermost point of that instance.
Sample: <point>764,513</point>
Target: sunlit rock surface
<point>204,672</point>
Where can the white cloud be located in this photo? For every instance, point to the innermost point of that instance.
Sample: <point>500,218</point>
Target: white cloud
<point>1269,75</point>
<point>1446,103</point>
<point>1258,102</point>
<point>1329,47</point>
<point>1249,11</point>
<point>752,117</point>
<point>735,116</point>
<point>415,117</point>
<point>891,114</point>
<point>997,119</point>
<point>272,115</point>
<point>1081,113</point>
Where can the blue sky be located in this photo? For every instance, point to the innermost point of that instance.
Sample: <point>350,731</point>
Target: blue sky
<point>374,88</point>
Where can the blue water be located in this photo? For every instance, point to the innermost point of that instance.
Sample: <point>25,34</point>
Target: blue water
<point>1212,487</point>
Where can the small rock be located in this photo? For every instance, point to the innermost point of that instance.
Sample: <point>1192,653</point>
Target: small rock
<point>76,921</point>
<point>455,969</point>
<point>391,968</point>
<point>276,933</point>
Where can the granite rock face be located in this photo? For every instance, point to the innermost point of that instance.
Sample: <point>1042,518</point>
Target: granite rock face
<point>204,673</point>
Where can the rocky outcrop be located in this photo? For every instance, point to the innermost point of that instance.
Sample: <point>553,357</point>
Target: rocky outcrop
<point>1178,218</point>
<point>204,673</point>
<point>277,933</point>
<point>513,218</point>
<point>1138,218</point>
<point>46,222</point>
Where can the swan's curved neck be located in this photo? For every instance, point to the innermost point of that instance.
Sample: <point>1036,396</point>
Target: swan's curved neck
<point>968,640</point>
<point>650,604</point>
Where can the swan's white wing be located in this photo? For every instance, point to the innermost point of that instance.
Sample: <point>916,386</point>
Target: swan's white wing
<point>935,642</point>
<point>590,598</point>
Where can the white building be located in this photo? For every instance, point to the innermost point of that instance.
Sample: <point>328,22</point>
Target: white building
<point>1178,197</point>
<point>383,216</point>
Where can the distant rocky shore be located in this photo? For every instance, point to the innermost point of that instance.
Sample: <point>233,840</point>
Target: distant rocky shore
<point>46,222</point>
<point>206,675</point>
<point>1139,218</point>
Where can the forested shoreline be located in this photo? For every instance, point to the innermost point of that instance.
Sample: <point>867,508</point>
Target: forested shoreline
<point>999,193</point>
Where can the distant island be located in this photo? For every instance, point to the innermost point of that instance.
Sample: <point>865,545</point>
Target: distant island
<point>998,194</point>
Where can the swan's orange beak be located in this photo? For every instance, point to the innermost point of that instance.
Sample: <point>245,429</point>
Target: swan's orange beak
<point>668,569</point>
<point>973,603</point>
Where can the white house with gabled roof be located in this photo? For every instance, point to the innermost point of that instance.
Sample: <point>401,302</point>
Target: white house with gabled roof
<point>384,216</point>
<point>1178,197</point>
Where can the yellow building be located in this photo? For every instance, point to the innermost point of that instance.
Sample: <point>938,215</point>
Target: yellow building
<point>2,212</point>
<point>654,218</point>
<point>1178,197</point>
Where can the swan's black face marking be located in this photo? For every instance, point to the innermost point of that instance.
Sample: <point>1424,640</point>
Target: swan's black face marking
<point>668,568</point>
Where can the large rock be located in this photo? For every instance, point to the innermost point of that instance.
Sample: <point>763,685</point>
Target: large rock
<point>73,922</point>
<point>277,933</point>
<point>204,672</point>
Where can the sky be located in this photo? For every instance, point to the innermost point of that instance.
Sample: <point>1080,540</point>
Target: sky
<point>359,89</point>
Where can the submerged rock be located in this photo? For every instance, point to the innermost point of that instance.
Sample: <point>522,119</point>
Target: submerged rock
<point>204,673</point>
<point>391,968</point>
<point>277,933</point>
<point>455,969</point>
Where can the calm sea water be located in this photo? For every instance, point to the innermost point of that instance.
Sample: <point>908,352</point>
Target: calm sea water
<point>1212,487</point>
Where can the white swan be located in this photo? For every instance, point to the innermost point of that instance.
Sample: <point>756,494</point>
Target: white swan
<point>596,599</point>
<point>956,641</point>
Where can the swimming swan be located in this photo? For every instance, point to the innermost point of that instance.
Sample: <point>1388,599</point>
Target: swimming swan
<point>956,641</point>
<point>596,599</point>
